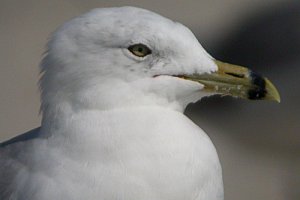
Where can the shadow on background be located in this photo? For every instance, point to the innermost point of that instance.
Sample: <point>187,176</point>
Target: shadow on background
<point>268,44</point>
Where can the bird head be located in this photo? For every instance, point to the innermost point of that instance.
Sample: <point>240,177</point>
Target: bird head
<point>122,57</point>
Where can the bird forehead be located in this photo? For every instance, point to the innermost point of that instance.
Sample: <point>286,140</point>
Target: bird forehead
<point>131,22</point>
<point>115,28</point>
<point>125,15</point>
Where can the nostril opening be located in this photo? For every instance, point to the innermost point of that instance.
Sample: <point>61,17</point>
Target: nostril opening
<point>235,75</point>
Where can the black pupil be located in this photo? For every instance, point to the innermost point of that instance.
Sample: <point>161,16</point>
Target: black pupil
<point>140,49</point>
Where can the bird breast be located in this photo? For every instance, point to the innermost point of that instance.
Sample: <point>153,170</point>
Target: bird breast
<point>141,153</point>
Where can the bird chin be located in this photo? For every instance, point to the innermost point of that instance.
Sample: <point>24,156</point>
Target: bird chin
<point>179,90</point>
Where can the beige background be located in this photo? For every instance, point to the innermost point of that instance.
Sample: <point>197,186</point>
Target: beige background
<point>258,143</point>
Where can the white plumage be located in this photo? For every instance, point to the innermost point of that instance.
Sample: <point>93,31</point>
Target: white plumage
<point>113,126</point>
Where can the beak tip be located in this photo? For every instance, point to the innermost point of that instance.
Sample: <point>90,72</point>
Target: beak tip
<point>272,91</point>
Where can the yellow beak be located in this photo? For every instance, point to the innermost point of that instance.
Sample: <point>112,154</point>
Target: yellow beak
<point>236,81</point>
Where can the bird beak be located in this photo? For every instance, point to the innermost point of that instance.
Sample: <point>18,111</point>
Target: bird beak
<point>236,81</point>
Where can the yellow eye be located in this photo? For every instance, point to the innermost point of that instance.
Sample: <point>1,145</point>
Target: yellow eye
<point>139,50</point>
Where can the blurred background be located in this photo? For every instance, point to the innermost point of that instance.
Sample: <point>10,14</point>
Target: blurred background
<point>258,142</point>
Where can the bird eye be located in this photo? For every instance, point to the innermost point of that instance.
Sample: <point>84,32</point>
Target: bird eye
<point>139,50</point>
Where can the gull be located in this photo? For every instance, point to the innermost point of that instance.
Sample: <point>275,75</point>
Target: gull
<point>114,86</point>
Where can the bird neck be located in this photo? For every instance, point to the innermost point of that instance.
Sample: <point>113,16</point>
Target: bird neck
<point>74,126</point>
<point>59,103</point>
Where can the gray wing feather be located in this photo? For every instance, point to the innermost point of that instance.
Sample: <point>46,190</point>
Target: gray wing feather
<point>13,161</point>
<point>34,133</point>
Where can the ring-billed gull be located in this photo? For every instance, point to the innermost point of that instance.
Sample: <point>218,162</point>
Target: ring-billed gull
<point>114,85</point>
